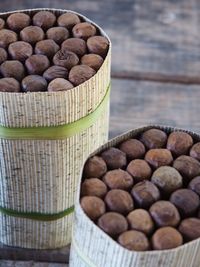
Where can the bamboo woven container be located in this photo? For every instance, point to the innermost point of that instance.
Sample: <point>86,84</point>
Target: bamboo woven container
<point>44,139</point>
<point>91,247</point>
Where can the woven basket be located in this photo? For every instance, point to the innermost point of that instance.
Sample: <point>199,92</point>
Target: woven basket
<point>91,247</point>
<point>44,139</point>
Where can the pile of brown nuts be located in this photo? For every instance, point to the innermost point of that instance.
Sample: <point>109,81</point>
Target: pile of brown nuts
<point>45,52</point>
<point>145,193</point>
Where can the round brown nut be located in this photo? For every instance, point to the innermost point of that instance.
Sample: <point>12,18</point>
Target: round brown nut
<point>9,85</point>
<point>154,138</point>
<point>134,240</point>
<point>54,72</point>
<point>179,143</point>
<point>20,50</point>
<point>59,84</point>
<point>75,45</point>
<point>164,213</point>
<point>186,201</point>
<point>3,55</point>
<point>139,169</point>
<point>158,157</point>
<point>80,74</point>
<point>98,45</point>
<point>93,206</point>
<point>18,21</point>
<point>114,158</point>
<point>113,223</point>
<point>140,220</point>
<point>2,23</point>
<point>145,194</point>
<point>190,229</point>
<point>93,187</point>
<point>195,151</point>
<point>7,37</point>
<point>46,47</point>
<point>44,19</point>
<point>195,185</point>
<point>13,68</point>
<point>94,167</point>
<point>68,20</point>
<point>167,178</point>
<point>65,59</point>
<point>34,83</point>
<point>84,30</point>
<point>166,238</point>
<point>37,64</point>
<point>118,179</point>
<point>133,148</point>
<point>119,201</point>
<point>92,60</point>
<point>187,166</point>
<point>32,34</point>
<point>58,34</point>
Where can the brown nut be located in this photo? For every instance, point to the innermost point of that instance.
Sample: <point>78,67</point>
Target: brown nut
<point>98,45</point>
<point>93,187</point>
<point>119,201</point>
<point>140,220</point>
<point>84,30</point>
<point>134,240</point>
<point>114,158</point>
<point>54,72</point>
<point>80,74</point>
<point>166,238</point>
<point>179,143</point>
<point>7,37</point>
<point>139,169</point>
<point>187,166</point>
<point>93,206</point>
<point>113,223</point>
<point>20,50</point>
<point>18,21</point>
<point>167,178</point>
<point>34,83</point>
<point>195,151</point>
<point>46,47</point>
<point>3,55</point>
<point>118,179</point>
<point>145,194</point>
<point>32,34</point>
<point>164,213</point>
<point>158,157</point>
<point>133,148</point>
<point>68,20</point>
<point>75,45</point>
<point>65,59</point>
<point>13,68</point>
<point>2,23</point>
<point>94,167</point>
<point>59,84</point>
<point>186,201</point>
<point>37,64</point>
<point>190,229</point>
<point>92,60</point>
<point>154,138</point>
<point>9,85</point>
<point>44,19</point>
<point>195,185</point>
<point>58,34</point>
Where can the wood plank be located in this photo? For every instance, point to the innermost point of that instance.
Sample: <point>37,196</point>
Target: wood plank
<point>156,40</point>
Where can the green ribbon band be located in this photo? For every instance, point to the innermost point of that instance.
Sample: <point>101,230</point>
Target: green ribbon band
<point>37,215</point>
<point>55,132</point>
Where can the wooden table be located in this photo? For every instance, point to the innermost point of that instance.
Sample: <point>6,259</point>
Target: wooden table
<point>155,74</point>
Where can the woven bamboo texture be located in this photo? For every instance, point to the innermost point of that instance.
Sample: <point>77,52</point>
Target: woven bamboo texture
<point>91,247</point>
<point>42,175</point>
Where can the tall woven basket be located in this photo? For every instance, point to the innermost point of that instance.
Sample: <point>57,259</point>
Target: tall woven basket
<point>44,139</point>
<point>91,247</point>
